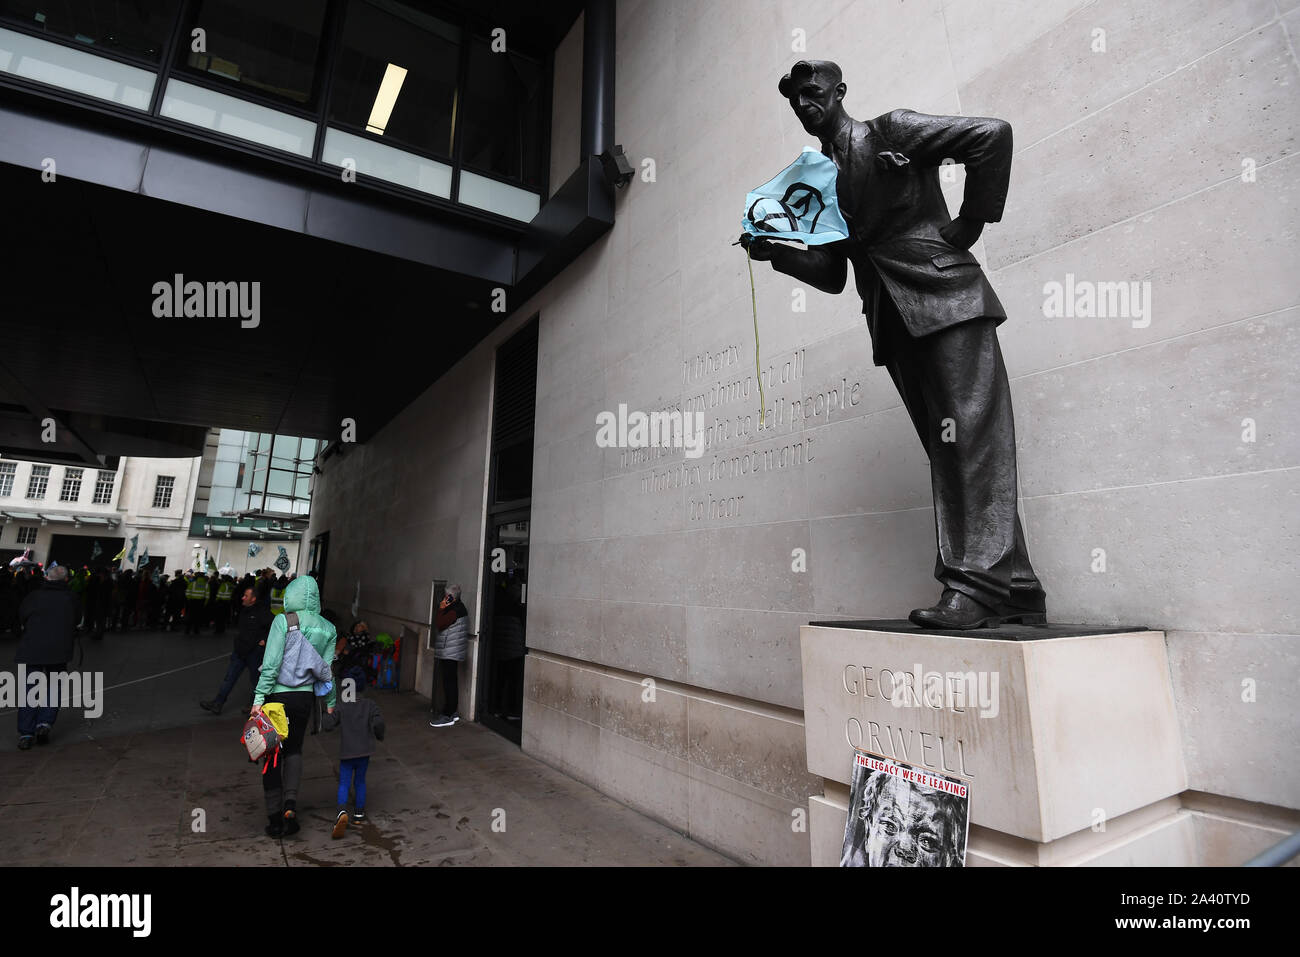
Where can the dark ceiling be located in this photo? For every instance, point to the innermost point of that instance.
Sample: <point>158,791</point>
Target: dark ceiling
<point>344,332</point>
<point>541,23</point>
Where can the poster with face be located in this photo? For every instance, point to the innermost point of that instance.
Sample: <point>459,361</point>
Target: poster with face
<point>904,816</point>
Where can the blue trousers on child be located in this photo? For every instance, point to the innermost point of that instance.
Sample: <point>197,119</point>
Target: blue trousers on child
<point>353,770</point>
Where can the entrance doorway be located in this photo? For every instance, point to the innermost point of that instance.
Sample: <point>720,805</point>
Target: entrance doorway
<point>317,557</point>
<point>505,597</point>
<point>502,630</point>
<point>90,551</point>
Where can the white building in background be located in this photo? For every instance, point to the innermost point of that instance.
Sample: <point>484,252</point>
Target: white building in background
<point>61,511</point>
<point>247,489</point>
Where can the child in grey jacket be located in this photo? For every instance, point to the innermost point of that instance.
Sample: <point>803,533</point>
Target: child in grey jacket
<point>362,725</point>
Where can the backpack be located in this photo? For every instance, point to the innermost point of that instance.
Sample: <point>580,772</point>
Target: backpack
<point>262,741</point>
<point>301,662</point>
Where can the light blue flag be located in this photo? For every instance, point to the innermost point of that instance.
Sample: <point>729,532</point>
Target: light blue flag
<point>144,557</point>
<point>96,550</point>
<point>253,549</point>
<point>799,203</point>
<point>130,556</point>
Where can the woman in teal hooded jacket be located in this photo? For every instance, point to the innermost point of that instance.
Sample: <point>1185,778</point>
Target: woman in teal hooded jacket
<point>280,783</point>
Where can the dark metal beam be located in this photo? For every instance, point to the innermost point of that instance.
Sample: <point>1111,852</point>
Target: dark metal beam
<point>227,180</point>
<point>598,33</point>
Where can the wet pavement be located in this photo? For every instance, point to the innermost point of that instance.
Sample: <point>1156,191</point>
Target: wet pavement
<point>157,781</point>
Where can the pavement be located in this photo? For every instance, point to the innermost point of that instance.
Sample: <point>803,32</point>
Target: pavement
<point>156,781</point>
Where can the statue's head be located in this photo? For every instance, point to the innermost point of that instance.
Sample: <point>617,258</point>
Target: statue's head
<point>815,89</point>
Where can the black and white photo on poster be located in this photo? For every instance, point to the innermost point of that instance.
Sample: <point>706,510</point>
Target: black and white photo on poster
<point>904,816</point>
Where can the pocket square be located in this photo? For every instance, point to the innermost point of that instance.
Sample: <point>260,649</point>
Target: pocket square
<point>891,160</point>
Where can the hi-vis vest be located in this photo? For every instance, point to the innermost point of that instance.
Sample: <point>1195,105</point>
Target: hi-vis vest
<point>277,601</point>
<point>197,589</point>
<point>224,592</point>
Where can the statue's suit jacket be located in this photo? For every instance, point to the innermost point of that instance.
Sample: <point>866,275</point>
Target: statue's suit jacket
<point>889,193</point>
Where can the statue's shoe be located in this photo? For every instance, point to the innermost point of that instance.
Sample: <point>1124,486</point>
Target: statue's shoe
<point>957,610</point>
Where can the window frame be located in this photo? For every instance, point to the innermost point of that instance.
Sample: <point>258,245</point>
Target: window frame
<point>181,70</point>
<point>159,488</point>
<point>71,475</point>
<point>130,59</point>
<point>547,65</point>
<point>386,140</point>
<point>45,482</point>
<point>109,484</point>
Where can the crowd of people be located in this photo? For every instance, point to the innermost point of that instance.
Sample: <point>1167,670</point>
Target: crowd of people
<point>109,600</point>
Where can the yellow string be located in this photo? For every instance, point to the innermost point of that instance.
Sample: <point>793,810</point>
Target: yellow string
<point>758,372</point>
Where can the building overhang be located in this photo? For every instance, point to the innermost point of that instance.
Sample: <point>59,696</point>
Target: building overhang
<point>365,298</point>
<point>45,517</point>
<point>250,529</point>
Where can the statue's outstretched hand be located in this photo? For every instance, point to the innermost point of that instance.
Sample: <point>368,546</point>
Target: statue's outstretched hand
<point>759,248</point>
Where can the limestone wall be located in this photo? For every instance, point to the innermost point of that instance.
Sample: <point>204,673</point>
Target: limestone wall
<point>1166,158</point>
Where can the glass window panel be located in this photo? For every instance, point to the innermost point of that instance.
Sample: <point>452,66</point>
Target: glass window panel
<point>281,483</point>
<point>387,163</point>
<point>225,474</point>
<point>286,447</point>
<point>498,197</point>
<point>267,47</point>
<point>231,446</point>
<point>70,69</point>
<point>235,117</point>
<point>396,75</point>
<point>309,448</point>
<point>503,115</point>
<point>302,486</point>
<point>221,500</point>
<point>139,28</point>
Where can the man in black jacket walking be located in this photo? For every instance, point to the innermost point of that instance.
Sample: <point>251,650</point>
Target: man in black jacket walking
<point>49,622</point>
<point>250,643</point>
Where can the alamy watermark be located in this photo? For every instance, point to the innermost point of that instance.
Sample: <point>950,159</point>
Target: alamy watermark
<point>76,910</point>
<point>213,300</point>
<point>669,428</point>
<point>1086,299</point>
<point>53,689</point>
<point>956,691</point>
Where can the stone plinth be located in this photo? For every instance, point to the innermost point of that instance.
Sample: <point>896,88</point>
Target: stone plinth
<point>1066,735</point>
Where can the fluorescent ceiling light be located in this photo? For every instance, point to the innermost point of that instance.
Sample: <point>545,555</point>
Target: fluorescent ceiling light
<point>386,98</point>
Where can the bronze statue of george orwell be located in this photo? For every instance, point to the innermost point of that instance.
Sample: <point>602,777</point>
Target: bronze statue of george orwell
<point>933,319</point>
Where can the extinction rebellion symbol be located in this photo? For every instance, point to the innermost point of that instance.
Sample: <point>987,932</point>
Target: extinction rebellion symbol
<point>794,205</point>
